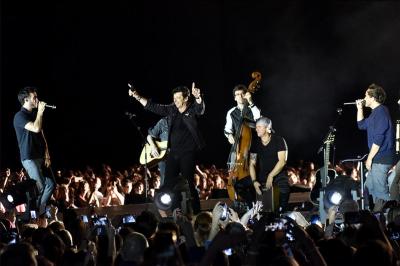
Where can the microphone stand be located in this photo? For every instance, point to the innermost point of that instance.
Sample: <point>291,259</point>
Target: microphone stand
<point>360,160</point>
<point>144,141</point>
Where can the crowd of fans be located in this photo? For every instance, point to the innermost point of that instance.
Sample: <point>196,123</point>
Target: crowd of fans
<point>223,236</point>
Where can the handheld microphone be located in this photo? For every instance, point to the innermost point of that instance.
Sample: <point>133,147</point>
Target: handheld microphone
<point>353,103</point>
<point>51,106</point>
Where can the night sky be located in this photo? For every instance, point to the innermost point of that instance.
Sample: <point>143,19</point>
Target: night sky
<point>313,57</point>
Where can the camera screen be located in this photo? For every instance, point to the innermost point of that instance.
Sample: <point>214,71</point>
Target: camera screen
<point>33,214</point>
<point>103,220</point>
<point>289,236</point>
<point>224,213</point>
<point>48,215</point>
<point>13,237</point>
<point>128,219</point>
<point>228,252</point>
<point>84,218</point>
<point>395,235</point>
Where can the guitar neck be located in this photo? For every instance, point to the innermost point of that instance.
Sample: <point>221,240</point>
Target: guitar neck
<point>326,164</point>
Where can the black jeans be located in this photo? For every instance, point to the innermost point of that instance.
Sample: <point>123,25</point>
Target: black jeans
<point>182,164</point>
<point>282,181</point>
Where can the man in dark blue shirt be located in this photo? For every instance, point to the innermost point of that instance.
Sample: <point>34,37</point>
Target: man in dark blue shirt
<point>32,143</point>
<point>380,142</point>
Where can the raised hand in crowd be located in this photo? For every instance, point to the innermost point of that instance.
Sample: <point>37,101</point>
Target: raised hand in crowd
<point>185,226</point>
<point>233,216</point>
<point>305,243</point>
<point>253,213</point>
<point>229,237</point>
<point>220,218</point>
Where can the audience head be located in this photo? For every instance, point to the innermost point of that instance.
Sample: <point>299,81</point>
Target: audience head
<point>133,247</point>
<point>18,254</point>
<point>146,223</point>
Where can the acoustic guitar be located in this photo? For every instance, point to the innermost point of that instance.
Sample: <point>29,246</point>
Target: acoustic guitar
<point>146,153</point>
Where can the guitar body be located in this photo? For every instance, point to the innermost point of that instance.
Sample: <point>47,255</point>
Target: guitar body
<point>151,160</point>
<point>318,183</point>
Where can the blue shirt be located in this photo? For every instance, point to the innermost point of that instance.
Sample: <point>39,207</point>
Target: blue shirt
<point>160,130</point>
<point>31,144</point>
<point>380,132</point>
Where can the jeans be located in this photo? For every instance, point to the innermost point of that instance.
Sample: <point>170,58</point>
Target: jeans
<point>45,185</point>
<point>161,167</point>
<point>393,181</point>
<point>377,181</point>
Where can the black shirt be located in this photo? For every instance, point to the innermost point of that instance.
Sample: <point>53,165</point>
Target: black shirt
<point>267,155</point>
<point>180,137</point>
<point>31,144</point>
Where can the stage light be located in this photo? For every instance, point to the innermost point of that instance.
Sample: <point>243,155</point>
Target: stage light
<point>339,190</point>
<point>336,198</point>
<point>10,198</point>
<point>163,200</point>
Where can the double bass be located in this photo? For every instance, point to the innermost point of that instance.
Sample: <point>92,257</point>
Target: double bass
<point>238,161</point>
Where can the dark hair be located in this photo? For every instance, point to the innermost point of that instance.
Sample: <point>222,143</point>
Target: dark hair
<point>18,254</point>
<point>377,92</point>
<point>239,87</point>
<point>24,93</point>
<point>125,181</point>
<point>185,91</point>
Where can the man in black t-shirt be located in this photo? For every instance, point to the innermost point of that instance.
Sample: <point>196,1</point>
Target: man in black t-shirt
<point>268,156</point>
<point>183,134</point>
<point>32,143</point>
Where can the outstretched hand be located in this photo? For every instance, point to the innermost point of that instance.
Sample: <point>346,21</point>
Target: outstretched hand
<point>132,92</point>
<point>195,91</point>
<point>253,213</point>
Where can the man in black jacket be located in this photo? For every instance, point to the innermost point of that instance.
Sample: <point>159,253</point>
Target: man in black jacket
<point>184,139</point>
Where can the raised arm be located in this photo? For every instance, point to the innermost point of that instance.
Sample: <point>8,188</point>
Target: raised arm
<point>132,92</point>
<point>199,99</point>
<point>156,108</point>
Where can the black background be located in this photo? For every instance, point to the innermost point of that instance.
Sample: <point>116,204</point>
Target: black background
<point>313,57</point>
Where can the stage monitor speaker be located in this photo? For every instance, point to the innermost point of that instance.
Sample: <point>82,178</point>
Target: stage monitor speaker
<point>270,199</point>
